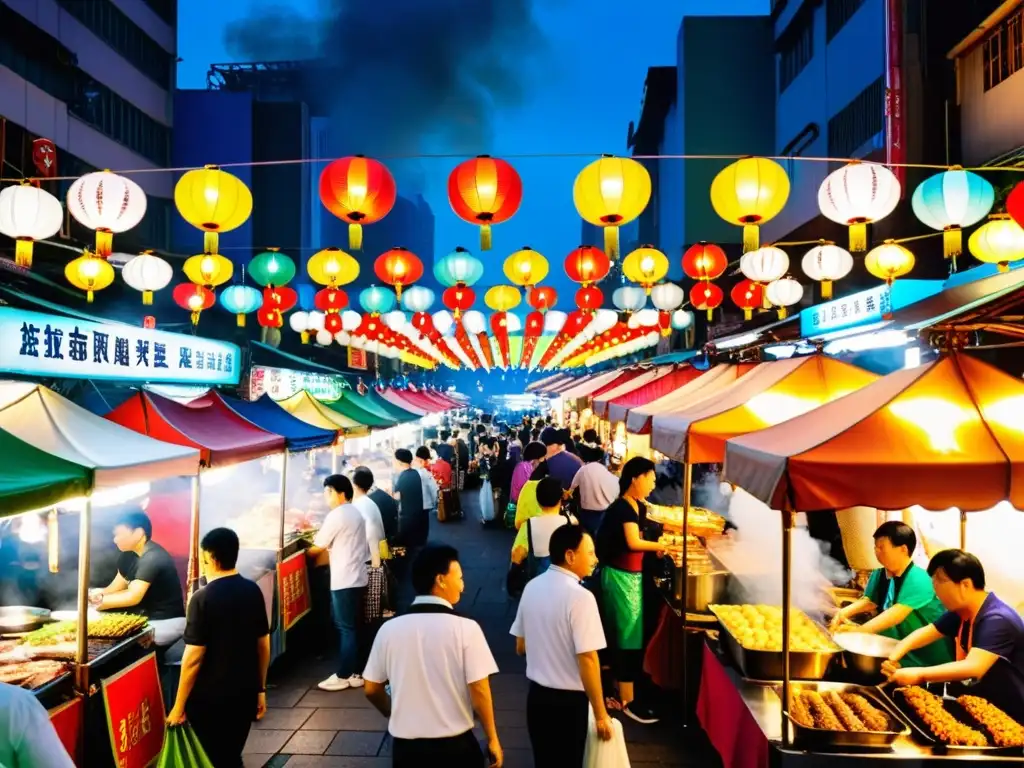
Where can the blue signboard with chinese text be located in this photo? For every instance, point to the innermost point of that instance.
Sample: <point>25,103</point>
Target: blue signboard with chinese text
<point>50,346</point>
<point>864,307</point>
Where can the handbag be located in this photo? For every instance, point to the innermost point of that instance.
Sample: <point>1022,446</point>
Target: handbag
<point>182,749</point>
<point>605,754</point>
<point>515,580</point>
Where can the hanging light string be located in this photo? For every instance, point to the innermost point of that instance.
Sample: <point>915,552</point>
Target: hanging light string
<point>527,156</point>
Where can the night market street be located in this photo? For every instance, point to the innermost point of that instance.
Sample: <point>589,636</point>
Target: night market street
<point>308,728</point>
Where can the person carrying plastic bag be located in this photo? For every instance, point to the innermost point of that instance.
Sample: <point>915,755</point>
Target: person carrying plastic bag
<point>183,750</point>
<point>604,754</point>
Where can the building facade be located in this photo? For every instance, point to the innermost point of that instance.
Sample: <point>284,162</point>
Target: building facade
<point>96,78</point>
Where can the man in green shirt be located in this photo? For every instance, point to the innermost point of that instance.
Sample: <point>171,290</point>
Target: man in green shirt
<point>903,595</point>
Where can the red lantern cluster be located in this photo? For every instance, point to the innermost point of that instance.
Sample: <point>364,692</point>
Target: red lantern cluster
<point>533,327</point>
<point>1015,203</point>
<point>331,301</point>
<point>574,325</point>
<point>277,299</point>
<point>359,191</point>
<point>194,298</point>
<point>499,327</point>
<point>589,298</point>
<point>747,295</point>
<point>587,265</point>
<point>399,267</point>
<point>542,298</point>
<point>458,299</point>
<point>706,296</point>
<point>462,338</point>
<point>485,191</point>
<point>705,262</point>
<point>620,333</point>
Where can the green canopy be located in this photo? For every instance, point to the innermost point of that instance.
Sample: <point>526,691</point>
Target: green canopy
<point>390,408</point>
<point>350,407</point>
<point>374,408</point>
<point>33,479</point>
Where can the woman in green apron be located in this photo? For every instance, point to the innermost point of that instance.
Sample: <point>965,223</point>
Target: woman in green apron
<point>901,593</point>
<point>621,549</point>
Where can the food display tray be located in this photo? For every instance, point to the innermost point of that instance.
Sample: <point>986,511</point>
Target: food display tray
<point>922,733</point>
<point>818,739</point>
<point>767,665</point>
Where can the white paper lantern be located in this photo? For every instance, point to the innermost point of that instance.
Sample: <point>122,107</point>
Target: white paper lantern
<point>784,293</point>
<point>443,321</point>
<point>681,319</point>
<point>667,296</point>
<point>147,273</point>
<point>857,195</point>
<point>107,203</point>
<point>764,265</point>
<point>513,323</point>
<point>645,318</point>
<point>343,338</point>
<point>324,338</point>
<point>28,214</point>
<point>605,319</point>
<point>350,320</point>
<point>827,263</point>
<point>417,298</point>
<point>299,321</point>
<point>629,298</point>
<point>395,320</point>
<point>473,321</point>
<point>357,342</point>
<point>315,321</point>
<point>554,321</point>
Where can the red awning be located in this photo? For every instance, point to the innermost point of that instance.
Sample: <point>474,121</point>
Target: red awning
<point>417,399</point>
<point>618,408</point>
<point>222,436</point>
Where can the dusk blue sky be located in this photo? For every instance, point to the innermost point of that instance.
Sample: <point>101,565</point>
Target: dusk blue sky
<point>589,88</point>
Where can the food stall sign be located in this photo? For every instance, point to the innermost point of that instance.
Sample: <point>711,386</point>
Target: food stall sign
<point>865,307</point>
<point>68,720</point>
<point>357,359</point>
<point>293,577</point>
<point>135,713</point>
<point>282,383</point>
<point>40,345</point>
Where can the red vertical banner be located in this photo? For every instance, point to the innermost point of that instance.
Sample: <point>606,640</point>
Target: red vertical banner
<point>895,109</point>
<point>293,578</point>
<point>357,359</point>
<point>68,720</point>
<point>135,714</point>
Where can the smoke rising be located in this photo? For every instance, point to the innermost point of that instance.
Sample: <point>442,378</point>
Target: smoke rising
<point>404,77</point>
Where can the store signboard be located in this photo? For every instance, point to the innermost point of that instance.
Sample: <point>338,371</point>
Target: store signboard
<point>135,713</point>
<point>357,359</point>
<point>44,346</point>
<point>865,307</point>
<point>68,720</point>
<point>282,383</point>
<point>293,577</point>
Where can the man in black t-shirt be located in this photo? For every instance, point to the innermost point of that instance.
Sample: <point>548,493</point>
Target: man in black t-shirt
<point>146,582</point>
<point>223,684</point>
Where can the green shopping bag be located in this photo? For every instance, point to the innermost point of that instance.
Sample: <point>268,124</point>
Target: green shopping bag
<point>182,749</point>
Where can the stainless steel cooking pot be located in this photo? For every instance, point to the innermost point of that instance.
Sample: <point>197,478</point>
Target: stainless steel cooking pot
<point>864,653</point>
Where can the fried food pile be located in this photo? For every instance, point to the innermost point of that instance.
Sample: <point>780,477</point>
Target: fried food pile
<point>759,628</point>
<point>1004,730</point>
<point>833,711</point>
<point>702,522</point>
<point>31,674</point>
<point>109,626</point>
<point>930,710</point>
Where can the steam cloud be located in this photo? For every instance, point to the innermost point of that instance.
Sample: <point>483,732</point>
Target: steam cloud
<point>405,77</point>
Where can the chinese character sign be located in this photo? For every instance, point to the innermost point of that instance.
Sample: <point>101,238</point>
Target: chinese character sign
<point>293,583</point>
<point>35,344</point>
<point>282,383</point>
<point>68,720</point>
<point>135,713</point>
<point>848,312</point>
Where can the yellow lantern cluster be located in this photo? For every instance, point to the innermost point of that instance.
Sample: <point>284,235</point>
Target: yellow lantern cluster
<point>999,241</point>
<point>889,261</point>
<point>332,267</point>
<point>502,298</point>
<point>214,201</point>
<point>645,266</point>
<point>89,273</point>
<point>611,192</point>
<point>526,267</point>
<point>208,269</point>
<point>749,193</point>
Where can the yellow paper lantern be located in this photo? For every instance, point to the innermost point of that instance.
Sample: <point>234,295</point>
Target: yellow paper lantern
<point>208,269</point>
<point>1000,240</point>
<point>748,193</point>
<point>89,273</point>
<point>611,192</point>
<point>214,201</point>
<point>526,267</point>
<point>889,261</point>
<point>645,266</point>
<point>332,267</point>
<point>502,298</point>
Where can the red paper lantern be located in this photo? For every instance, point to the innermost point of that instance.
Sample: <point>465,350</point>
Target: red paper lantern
<point>398,267</point>
<point>704,261</point>
<point>707,296</point>
<point>542,298</point>
<point>194,298</point>
<point>747,295</point>
<point>485,191</point>
<point>587,264</point>
<point>269,317</point>
<point>330,300</point>
<point>458,299</point>
<point>1015,203</point>
<point>149,321</point>
<point>534,325</point>
<point>332,323</point>
<point>589,298</point>
<point>359,191</point>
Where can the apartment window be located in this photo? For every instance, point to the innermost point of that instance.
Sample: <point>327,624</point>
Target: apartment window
<point>115,117</point>
<point>1003,50</point>
<point>858,122</point>
<point>796,48</point>
<point>108,23</point>
<point>837,13</point>
<point>165,9</point>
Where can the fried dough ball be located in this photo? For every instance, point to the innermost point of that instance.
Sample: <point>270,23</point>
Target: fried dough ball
<point>1004,730</point>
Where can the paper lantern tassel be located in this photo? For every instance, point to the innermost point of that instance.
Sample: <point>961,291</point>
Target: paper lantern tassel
<point>147,298</point>
<point>211,242</point>
<point>355,237</point>
<point>747,313</point>
<point>711,315</point>
<point>240,319</point>
<point>826,289</point>
<point>195,317</point>
<point>305,337</point>
<point>611,242</point>
<point>485,237</point>
<point>858,237</point>
<point>23,253</point>
<point>751,237</point>
<point>104,242</point>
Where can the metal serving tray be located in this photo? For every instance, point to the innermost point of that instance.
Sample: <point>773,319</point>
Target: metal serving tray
<point>767,665</point>
<point>923,734</point>
<point>818,739</point>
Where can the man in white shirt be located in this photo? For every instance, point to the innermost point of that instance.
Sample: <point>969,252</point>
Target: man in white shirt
<point>558,628</point>
<point>430,491</point>
<point>343,534</point>
<point>27,736</point>
<point>597,486</point>
<point>439,667</point>
<point>362,484</point>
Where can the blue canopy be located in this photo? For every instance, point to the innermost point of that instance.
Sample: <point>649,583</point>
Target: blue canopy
<point>269,416</point>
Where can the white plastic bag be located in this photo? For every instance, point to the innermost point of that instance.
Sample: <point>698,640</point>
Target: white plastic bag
<point>486,502</point>
<point>605,754</point>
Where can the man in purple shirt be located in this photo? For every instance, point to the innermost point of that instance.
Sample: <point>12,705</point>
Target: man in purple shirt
<point>561,464</point>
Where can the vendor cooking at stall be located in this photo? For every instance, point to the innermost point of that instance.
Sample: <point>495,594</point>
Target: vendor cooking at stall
<point>146,582</point>
<point>988,633</point>
<point>903,595</point>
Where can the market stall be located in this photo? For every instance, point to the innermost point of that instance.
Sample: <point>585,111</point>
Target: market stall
<point>601,402</point>
<point>63,462</point>
<point>361,410</point>
<point>676,377</point>
<point>540,386</point>
<point>946,434</point>
<point>307,408</point>
<point>393,410</point>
